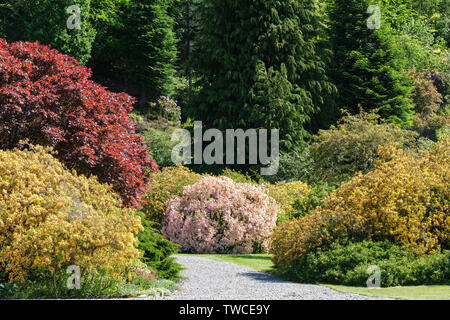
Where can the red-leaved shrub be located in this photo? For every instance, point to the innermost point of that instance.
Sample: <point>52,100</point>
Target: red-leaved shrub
<point>218,215</point>
<point>49,99</point>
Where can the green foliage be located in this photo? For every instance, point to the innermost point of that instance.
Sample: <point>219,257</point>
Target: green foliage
<point>417,44</point>
<point>434,13</point>
<point>161,145</point>
<point>367,67</point>
<point>352,146</point>
<point>348,264</point>
<point>306,205</point>
<point>260,66</point>
<point>158,252</point>
<point>46,21</point>
<point>236,176</point>
<point>107,18</point>
<point>156,125</point>
<point>294,166</point>
<point>92,286</point>
<point>426,97</point>
<point>150,47</point>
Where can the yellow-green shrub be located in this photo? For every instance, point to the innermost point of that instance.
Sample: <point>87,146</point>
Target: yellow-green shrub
<point>236,176</point>
<point>405,199</point>
<point>285,194</point>
<point>167,184</point>
<point>51,218</point>
<point>352,146</point>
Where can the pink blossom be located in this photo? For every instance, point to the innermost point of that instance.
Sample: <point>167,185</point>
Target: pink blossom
<point>217,215</point>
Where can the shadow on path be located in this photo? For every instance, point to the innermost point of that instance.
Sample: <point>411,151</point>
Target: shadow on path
<point>262,276</point>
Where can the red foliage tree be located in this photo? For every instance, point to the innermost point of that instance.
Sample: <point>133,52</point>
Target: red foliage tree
<point>49,99</point>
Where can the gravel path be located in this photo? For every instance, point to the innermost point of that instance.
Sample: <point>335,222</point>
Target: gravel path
<point>208,279</point>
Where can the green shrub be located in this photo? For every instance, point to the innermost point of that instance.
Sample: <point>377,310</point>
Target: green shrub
<point>92,286</point>
<point>157,132</point>
<point>7,289</point>
<point>432,127</point>
<point>306,205</point>
<point>158,252</point>
<point>160,140</point>
<point>236,176</point>
<point>352,146</point>
<point>348,265</point>
<point>294,166</point>
<point>285,194</point>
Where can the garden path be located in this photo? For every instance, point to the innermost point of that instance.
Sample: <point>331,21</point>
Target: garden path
<point>207,279</point>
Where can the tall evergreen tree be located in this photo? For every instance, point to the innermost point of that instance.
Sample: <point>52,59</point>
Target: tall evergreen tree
<point>150,47</point>
<point>367,69</point>
<point>259,66</point>
<point>46,21</point>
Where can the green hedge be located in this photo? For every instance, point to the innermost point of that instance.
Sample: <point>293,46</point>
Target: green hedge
<point>348,264</point>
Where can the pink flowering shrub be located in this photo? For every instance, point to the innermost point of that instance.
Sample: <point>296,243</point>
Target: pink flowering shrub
<point>217,215</point>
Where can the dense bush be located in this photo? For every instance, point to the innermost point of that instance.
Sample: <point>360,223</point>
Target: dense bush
<point>306,205</point>
<point>426,97</point>
<point>236,176</point>
<point>294,166</point>
<point>217,215</point>
<point>51,218</point>
<point>48,98</point>
<point>348,265</point>
<point>352,146</point>
<point>165,108</point>
<point>160,145</point>
<point>432,127</point>
<point>166,184</point>
<point>442,82</point>
<point>286,194</point>
<point>157,251</point>
<point>405,199</point>
<point>156,125</point>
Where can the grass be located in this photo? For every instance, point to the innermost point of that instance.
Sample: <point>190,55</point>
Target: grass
<point>260,262</point>
<point>263,262</point>
<point>405,293</point>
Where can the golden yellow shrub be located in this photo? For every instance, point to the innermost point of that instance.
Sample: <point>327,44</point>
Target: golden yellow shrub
<point>167,184</point>
<point>285,194</point>
<point>51,218</point>
<point>292,239</point>
<point>405,199</point>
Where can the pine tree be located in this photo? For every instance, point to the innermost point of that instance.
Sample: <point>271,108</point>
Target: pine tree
<point>367,69</point>
<point>259,66</point>
<point>150,45</point>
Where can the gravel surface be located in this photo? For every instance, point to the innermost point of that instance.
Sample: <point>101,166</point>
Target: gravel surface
<point>208,279</point>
